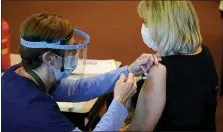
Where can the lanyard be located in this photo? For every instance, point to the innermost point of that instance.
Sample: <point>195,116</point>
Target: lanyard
<point>38,80</point>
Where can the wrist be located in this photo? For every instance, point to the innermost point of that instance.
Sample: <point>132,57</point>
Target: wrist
<point>130,70</point>
<point>120,100</point>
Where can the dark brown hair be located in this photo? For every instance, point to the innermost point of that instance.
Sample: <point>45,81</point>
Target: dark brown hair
<point>42,27</point>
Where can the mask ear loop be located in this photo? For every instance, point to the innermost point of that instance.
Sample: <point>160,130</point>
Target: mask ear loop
<point>62,68</point>
<point>61,52</point>
<point>64,41</point>
<point>62,55</point>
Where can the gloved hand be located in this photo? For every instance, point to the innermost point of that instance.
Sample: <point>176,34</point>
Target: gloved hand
<point>145,60</point>
<point>125,88</point>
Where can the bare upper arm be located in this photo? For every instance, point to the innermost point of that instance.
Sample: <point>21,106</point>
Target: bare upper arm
<point>157,79</point>
<point>151,100</point>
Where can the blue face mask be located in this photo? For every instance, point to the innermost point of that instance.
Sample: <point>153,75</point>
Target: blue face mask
<point>70,64</point>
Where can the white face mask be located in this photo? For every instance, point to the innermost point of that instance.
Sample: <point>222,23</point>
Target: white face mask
<point>146,38</point>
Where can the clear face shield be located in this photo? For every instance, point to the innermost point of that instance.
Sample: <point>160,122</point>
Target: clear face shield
<point>67,56</point>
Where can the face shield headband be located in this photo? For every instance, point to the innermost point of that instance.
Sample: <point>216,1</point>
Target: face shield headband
<point>58,44</point>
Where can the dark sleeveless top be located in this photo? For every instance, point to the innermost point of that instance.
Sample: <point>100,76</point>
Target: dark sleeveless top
<point>191,86</point>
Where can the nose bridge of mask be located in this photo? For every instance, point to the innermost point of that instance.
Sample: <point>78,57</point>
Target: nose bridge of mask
<point>71,61</point>
<point>67,63</point>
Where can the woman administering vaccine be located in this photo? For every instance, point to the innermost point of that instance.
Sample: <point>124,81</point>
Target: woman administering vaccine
<point>49,54</point>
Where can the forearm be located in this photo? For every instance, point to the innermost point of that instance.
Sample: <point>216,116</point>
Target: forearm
<point>113,118</point>
<point>87,88</point>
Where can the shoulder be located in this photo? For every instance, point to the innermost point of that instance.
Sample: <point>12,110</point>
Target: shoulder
<point>207,52</point>
<point>158,70</point>
<point>157,74</point>
<point>157,79</point>
<point>8,75</point>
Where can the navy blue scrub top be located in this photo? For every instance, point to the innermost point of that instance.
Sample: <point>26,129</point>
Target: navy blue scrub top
<point>25,108</point>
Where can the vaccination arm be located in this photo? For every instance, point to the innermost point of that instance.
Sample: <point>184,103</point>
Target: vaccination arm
<point>151,101</point>
<point>87,88</point>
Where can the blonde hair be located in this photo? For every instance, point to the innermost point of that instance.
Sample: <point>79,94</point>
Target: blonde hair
<point>172,24</point>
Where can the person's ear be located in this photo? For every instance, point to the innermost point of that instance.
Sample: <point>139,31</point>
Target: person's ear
<point>48,58</point>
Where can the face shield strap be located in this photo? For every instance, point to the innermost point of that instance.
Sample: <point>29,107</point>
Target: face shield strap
<point>62,68</point>
<point>59,44</point>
